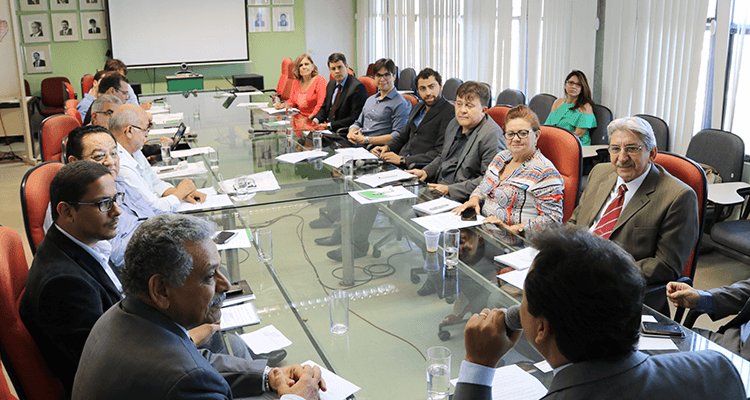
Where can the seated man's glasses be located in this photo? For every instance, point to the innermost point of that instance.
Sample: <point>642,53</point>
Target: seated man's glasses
<point>383,76</point>
<point>630,149</point>
<point>105,204</point>
<point>521,134</point>
<point>108,112</point>
<point>99,157</point>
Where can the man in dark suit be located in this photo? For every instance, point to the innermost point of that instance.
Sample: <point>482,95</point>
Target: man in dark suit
<point>345,96</point>
<point>38,62</point>
<point>93,28</point>
<point>589,341</point>
<point>658,214</point>
<point>172,281</point>
<point>65,31</point>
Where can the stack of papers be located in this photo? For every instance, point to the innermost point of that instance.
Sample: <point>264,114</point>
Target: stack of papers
<point>238,94</point>
<point>436,206</point>
<point>163,119</point>
<point>371,196</point>
<point>445,221</point>
<point>357,153</point>
<point>168,132</point>
<point>264,182</point>
<point>241,315</point>
<point>176,171</point>
<point>294,158</point>
<point>338,387</point>
<point>266,340</point>
<point>515,278</point>
<point>511,382</point>
<point>272,111</point>
<point>192,152</point>
<point>261,104</point>
<point>520,259</point>
<point>157,110</point>
<point>383,178</point>
<point>212,201</point>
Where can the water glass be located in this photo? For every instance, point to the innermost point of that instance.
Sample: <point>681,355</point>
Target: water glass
<point>338,302</point>
<point>317,140</point>
<point>264,241</point>
<point>213,159</point>
<point>166,153</point>
<point>431,239</point>
<point>451,240</point>
<point>347,166</point>
<point>242,186</point>
<point>438,372</point>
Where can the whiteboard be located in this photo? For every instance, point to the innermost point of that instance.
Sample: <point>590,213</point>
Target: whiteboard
<point>148,33</point>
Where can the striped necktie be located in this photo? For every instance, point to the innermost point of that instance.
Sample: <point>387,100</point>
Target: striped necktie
<point>607,224</point>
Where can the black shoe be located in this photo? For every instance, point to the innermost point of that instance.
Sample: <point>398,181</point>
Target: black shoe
<point>274,357</point>
<point>450,299</point>
<point>357,252</point>
<point>427,289</point>
<point>333,240</point>
<point>321,223</point>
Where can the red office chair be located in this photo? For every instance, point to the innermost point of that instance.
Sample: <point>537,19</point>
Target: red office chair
<point>5,391</point>
<point>68,90</point>
<point>284,87</point>
<point>370,71</point>
<point>55,128</point>
<point>30,376</point>
<point>497,113</point>
<point>35,198</point>
<point>413,100</point>
<point>70,109</point>
<point>87,82</point>
<point>564,150</point>
<point>34,102</point>
<point>53,95</point>
<point>369,85</point>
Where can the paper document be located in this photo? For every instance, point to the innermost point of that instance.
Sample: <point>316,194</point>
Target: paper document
<point>157,110</point>
<point>276,124</point>
<point>176,171</point>
<point>241,315</point>
<point>515,278</point>
<point>436,206</point>
<point>338,387</point>
<point>357,153</point>
<point>390,193</point>
<point>260,104</point>
<point>513,383</point>
<point>216,201</point>
<point>294,158</point>
<point>520,259</point>
<point>648,318</point>
<point>162,119</point>
<point>444,221</point>
<point>168,132</point>
<point>655,343</point>
<point>264,182</point>
<point>192,152</point>
<point>240,94</point>
<point>272,111</point>
<point>383,178</point>
<point>266,340</point>
<point>239,241</point>
<point>543,366</point>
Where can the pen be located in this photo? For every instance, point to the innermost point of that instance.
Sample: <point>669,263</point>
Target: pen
<point>386,176</point>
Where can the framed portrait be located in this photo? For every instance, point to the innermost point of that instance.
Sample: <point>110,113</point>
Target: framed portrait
<point>65,27</point>
<point>258,2</point>
<point>63,5</point>
<point>259,19</point>
<point>90,4</point>
<point>283,2</point>
<point>33,5</point>
<point>36,28</point>
<point>283,19</point>
<point>38,59</point>
<point>93,25</point>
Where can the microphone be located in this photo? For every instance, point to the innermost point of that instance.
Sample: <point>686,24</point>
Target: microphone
<point>254,131</point>
<point>513,319</point>
<point>369,162</point>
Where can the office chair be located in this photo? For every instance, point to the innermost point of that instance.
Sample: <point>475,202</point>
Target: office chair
<point>406,80</point>
<point>370,68</point>
<point>498,113</point>
<point>69,92</point>
<point>603,118</point>
<point>70,109</point>
<point>450,88</point>
<point>413,100</point>
<point>87,82</point>
<point>370,85</point>
<point>564,150</point>
<point>35,198</point>
<point>55,128</point>
<point>541,105</point>
<point>53,95</point>
<point>34,102</point>
<point>661,130</point>
<point>511,98</point>
<point>27,371</point>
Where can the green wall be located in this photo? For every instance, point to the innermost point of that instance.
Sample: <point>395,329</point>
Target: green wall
<point>75,59</point>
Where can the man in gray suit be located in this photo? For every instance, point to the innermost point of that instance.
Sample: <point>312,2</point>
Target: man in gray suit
<point>172,281</point>
<point>590,342</point>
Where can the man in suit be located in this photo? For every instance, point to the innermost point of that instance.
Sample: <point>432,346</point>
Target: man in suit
<point>172,281</point>
<point>36,29</point>
<point>110,83</point>
<point>102,109</point>
<point>93,28</point>
<point>588,341</point>
<point>658,214</point>
<point>345,97</point>
<point>65,31</point>
<point>38,62</point>
<point>719,303</point>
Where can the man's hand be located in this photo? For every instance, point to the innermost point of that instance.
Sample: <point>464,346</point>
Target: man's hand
<point>355,136</point>
<point>147,105</point>
<point>301,380</point>
<point>440,187</point>
<point>201,334</point>
<point>165,141</point>
<point>682,295</point>
<point>420,173</point>
<point>485,338</point>
<point>183,190</point>
<point>378,150</point>
<point>322,126</point>
<point>391,157</point>
<point>279,105</point>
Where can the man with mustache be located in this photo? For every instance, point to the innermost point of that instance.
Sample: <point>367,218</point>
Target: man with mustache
<point>640,206</point>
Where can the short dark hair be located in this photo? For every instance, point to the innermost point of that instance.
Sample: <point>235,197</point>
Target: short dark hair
<point>386,63</point>
<point>426,74</point>
<point>158,247</point>
<point>471,90</point>
<point>525,113</point>
<point>111,80</point>
<point>71,183</point>
<point>65,21</point>
<point>336,57</point>
<point>116,65</point>
<point>74,145</point>
<point>589,290</point>
<point>100,74</point>
<point>92,21</point>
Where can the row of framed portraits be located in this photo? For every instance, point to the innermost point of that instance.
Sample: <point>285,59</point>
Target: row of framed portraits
<point>261,20</point>
<point>266,2</point>
<point>61,5</point>
<point>36,28</point>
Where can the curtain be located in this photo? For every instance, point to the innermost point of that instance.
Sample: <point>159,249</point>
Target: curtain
<point>738,34</point>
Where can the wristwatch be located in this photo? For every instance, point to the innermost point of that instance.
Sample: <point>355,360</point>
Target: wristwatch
<point>403,161</point>
<point>367,141</point>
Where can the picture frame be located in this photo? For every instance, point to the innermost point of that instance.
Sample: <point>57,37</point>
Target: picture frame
<point>259,19</point>
<point>258,2</point>
<point>35,28</point>
<point>90,5</point>
<point>283,2</point>
<point>33,5</point>
<point>64,27</point>
<point>96,29</point>
<point>283,19</point>
<point>38,59</point>
<point>63,5</point>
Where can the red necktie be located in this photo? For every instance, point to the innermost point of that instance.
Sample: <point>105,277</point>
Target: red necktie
<point>607,224</point>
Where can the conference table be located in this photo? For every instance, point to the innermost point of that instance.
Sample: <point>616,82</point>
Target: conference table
<point>390,325</point>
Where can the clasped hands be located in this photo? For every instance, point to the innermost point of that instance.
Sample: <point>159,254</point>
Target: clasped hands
<point>304,381</point>
<point>473,202</point>
<point>187,191</point>
<point>385,153</point>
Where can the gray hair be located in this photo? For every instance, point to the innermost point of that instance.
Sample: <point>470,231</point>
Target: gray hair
<point>123,117</point>
<point>637,126</point>
<point>98,104</point>
<point>158,247</point>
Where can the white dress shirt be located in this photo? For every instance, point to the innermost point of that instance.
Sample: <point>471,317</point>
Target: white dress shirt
<point>137,172</point>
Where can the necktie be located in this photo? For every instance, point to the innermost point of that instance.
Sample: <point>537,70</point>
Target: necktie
<point>337,92</point>
<point>607,224</point>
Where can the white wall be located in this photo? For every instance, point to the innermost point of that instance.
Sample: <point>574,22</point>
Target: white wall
<point>329,28</point>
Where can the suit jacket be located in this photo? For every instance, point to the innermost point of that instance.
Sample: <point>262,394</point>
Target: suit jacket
<point>421,144</point>
<point>731,300</point>
<point>67,290</point>
<point>350,106</point>
<point>678,376</point>
<point>136,352</point>
<point>476,155</point>
<point>40,63</point>
<point>658,227</point>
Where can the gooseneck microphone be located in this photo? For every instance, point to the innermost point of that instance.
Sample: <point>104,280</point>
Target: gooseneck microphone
<point>371,162</point>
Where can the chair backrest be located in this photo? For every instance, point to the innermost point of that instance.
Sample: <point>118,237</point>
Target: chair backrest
<point>87,82</point>
<point>406,80</point>
<point>35,199</point>
<point>370,85</point>
<point>30,376</point>
<point>284,78</point>
<point>68,90</point>
<point>27,87</point>
<point>413,100</point>
<point>722,150</point>
<point>370,69</point>
<point>70,109</point>
<point>450,88</point>
<point>511,98</point>
<point>564,150</point>
<point>541,105</point>
<point>603,116</point>
<point>52,91</point>
<point>689,172</point>
<point>661,130</point>
<point>54,128</point>
<point>498,113</point>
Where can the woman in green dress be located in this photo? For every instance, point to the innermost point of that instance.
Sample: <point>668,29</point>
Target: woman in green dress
<point>574,112</point>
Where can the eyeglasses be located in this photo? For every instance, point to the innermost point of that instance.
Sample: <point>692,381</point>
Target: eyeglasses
<point>630,149</point>
<point>108,112</point>
<point>99,157</point>
<point>147,130</point>
<point>105,204</point>
<point>383,76</point>
<point>125,92</point>
<point>571,83</point>
<point>521,134</point>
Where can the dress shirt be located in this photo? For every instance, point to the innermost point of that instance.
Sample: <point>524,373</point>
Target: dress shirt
<point>137,172</point>
<point>337,92</point>
<point>632,188</point>
<point>84,105</point>
<point>103,259</point>
<point>419,117</point>
<point>706,305</point>
<point>133,98</point>
<point>475,374</point>
<point>383,117</point>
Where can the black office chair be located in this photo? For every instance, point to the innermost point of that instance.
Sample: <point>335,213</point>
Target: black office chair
<point>661,130</point>
<point>510,98</point>
<point>541,105</point>
<point>489,87</point>
<point>450,88</point>
<point>406,80</point>
<point>603,118</point>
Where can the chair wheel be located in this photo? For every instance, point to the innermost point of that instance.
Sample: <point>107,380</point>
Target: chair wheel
<point>375,252</point>
<point>415,278</point>
<point>444,335</point>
